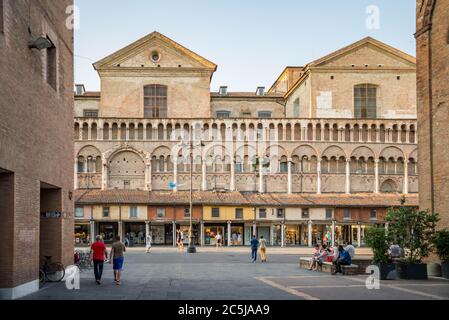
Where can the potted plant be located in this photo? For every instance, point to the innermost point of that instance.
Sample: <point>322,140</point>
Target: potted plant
<point>378,240</point>
<point>441,243</point>
<point>413,230</point>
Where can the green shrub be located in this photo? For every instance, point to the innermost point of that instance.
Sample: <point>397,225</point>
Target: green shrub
<point>378,240</point>
<point>441,243</point>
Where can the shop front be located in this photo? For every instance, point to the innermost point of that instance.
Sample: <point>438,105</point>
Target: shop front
<point>322,234</point>
<point>237,234</point>
<point>185,228</point>
<point>277,235</point>
<point>135,233</point>
<point>162,234</point>
<point>211,231</point>
<point>108,231</point>
<point>82,233</point>
<point>296,234</point>
<point>350,233</point>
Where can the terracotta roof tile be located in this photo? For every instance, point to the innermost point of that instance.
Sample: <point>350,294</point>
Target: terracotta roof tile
<point>239,199</point>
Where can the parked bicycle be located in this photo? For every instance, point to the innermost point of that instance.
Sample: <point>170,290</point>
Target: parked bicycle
<point>51,271</point>
<point>83,260</point>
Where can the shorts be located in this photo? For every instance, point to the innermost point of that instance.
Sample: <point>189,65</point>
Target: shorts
<point>117,263</point>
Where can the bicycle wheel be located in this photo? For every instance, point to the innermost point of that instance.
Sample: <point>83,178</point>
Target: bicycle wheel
<point>55,272</point>
<point>41,276</point>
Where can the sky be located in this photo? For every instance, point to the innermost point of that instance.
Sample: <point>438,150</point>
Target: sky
<point>251,41</point>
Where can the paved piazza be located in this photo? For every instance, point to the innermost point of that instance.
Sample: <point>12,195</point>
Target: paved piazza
<point>229,275</point>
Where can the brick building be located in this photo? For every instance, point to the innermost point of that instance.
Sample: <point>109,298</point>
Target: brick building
<point>340,131</point>
<point>432,41</point>
<point>36,171</point>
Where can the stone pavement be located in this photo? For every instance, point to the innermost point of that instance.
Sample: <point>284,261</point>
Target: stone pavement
<point>229,275</point>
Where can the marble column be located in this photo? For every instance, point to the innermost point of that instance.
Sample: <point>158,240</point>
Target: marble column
<point>229,233</point>
<point>359,235</point>
<point>282,235</point>
<point>333,233</point>
<point>203,176</point>
<point>92,232</point>
<point>289,177</point>
<point>232,184</point>
<point>309,239</point>
<point>202,234</point>
<point>174,233</point>
<point>175,175</point>
<point>318,178</point>
<point>75,178</point>
<point>376,176</point>
<point>261,188</point>
<point>405,191</point>
<point>348,176</point>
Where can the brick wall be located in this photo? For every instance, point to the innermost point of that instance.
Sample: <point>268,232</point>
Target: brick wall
<point>35,131</point>
<point>432,39</point>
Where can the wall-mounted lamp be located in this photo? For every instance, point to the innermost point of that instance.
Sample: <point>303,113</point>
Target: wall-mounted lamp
<point>40,43</point>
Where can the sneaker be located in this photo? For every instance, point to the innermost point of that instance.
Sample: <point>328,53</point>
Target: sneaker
<point>97,281</point>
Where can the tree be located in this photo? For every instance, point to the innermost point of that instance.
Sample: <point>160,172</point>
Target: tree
<point>412,230</point>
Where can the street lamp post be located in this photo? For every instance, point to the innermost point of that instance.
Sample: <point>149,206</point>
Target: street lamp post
<point>191,248</point>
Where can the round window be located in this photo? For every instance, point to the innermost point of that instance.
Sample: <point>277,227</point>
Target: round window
<point>155,56</point>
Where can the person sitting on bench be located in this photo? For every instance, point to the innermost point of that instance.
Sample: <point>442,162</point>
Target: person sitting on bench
<point>344,259</point>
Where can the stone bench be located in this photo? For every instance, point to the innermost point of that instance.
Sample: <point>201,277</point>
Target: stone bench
<point>327,267</point>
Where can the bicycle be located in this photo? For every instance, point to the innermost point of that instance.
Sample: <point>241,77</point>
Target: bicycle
<point>51,271</point>
<point>82,260</point>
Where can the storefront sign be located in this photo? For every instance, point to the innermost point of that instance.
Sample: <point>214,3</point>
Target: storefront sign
<point>56,215</point>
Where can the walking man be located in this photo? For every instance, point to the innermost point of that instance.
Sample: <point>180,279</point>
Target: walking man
<point>117,258</point>
<point>98,254</point>
<point>254,246</point>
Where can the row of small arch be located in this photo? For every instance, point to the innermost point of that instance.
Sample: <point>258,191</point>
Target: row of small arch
<point>293,132</point>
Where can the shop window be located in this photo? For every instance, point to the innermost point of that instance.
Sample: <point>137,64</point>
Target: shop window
<point>239,213</point>
<point>215,212</point>
<point>329,213</point>
<point>106,212</point>
<point>373,214</point>
<point>305,213</point>
<point>160,212</point>
<point>133,212</point>
<point>262,213</point>
<point>186,212</point>
<point>79,212</point>
<point>280,213</point>
<point>347,214</point>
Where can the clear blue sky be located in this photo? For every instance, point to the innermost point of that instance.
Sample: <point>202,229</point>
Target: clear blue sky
<point>251,41</point>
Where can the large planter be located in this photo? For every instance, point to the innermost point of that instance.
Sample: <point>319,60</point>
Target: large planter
<point>445,269</point>
<point>411,271</point>
<point>387,271</point>
<point>433,269</point>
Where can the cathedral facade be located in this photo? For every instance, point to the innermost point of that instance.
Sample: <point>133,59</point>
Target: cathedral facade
<point>316,158</point>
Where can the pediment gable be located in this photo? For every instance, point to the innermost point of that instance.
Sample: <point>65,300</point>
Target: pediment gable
<point>367,51</point>
<point>142,53</point>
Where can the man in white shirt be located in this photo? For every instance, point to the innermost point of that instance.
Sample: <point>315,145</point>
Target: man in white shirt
<point>350,249</point>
